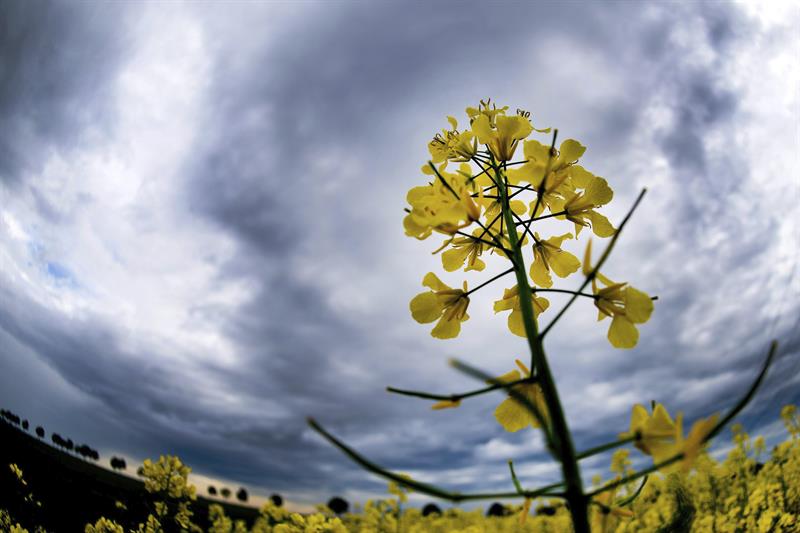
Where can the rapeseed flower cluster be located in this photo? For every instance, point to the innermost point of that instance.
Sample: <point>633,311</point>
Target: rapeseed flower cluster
<point>468,194</point>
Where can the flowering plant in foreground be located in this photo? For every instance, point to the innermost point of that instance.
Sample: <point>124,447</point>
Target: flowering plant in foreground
<point>485,203</point>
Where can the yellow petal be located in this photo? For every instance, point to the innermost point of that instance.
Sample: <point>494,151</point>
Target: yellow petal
<point>600,224</point>
<point>515,323</point>
<point>638,305</point>
<point>622,333</point>
<point>581,178</point>
<point>695,440</point>
<point>598,192</point>
<point>453,259</point>
<point>447,329</point>
<point>513,416</point>
<point>518,207</point>
<point>453,122</point>
<point>540,305</point>
<point>564,263</point>
<point>433,282</point>
<point>508,377</point>
<point>587,258</point>
<point>535,151</point>
<point>446,404</point>
<point>571,150</point>
<point>426,307</point>
<point>482,129</point>
<point>556,240</point>
<point>539,272</point>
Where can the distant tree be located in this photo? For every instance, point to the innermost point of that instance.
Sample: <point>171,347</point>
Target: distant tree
<point>69,445</point>
<point>225,492</point>
<point>25,425</point>
<point>140,471</point>
<point>118,463</point>
<point>338,505</point>
<point>545,510</point>
<point>277,500</point>
<point>497,509</point>
<point>212,490</point>
<point>241,494</point>
<point>58,440</point>
<point>40,432</point>
<point>431,508</point>
<point>11,417</point>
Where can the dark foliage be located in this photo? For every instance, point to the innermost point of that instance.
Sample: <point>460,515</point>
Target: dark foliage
<point>497,509</point>
<point>431,508</point>
<point>338,505</point>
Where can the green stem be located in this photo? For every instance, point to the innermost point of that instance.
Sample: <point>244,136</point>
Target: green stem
<point>461,396</point>
<point>605,447</point>
<point>578,502</point>
<point>426,488</point>
<point>485,283</point>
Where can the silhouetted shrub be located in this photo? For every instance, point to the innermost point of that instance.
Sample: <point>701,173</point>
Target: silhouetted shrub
<point>241,494</point>
<point>40,432</point>
<point>118,463</point>
<point>212,490</point>
<point>431,508</point>
<point>277,499</point>
<point>497,509</point>
<point>338,505</point>
<point>25,425</point>
<point>546,510</point>
<point>225,492</point>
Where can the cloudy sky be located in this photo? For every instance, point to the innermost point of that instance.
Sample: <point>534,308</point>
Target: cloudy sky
<point>201,239</point>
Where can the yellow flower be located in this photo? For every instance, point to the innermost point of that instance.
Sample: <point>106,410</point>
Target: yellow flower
<point>510,301</point>
<point>563,176</point>
<point>606,515</point>
<point>452,145</point>
<point>442,303</point>
<point>514,415</point>
<point>695,440</point>
<point>548,255</point>
<point>625,305</point>
<point>503,136</point>
<point>443,207</point>
<point>580,208</point>
<point>465,249</point>
<point>658,436</point>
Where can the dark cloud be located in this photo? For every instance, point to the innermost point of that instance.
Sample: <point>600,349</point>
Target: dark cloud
<point>57,64</point>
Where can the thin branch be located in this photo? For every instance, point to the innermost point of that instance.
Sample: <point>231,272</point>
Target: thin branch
<point>564,291</point>
<point>426,488</point>
<point>773,347</point>
<point>642,473</point>
<point>514,479</point>
<point>717,428</point>
<point>485,283</point>
<point>630,499</point>
<point>605,447</point>
<point>484,241</point>
<point>456,397</point>
<point>534,219</point>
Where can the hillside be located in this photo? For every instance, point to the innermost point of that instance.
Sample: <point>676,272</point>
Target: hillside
<point>74,492</point>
